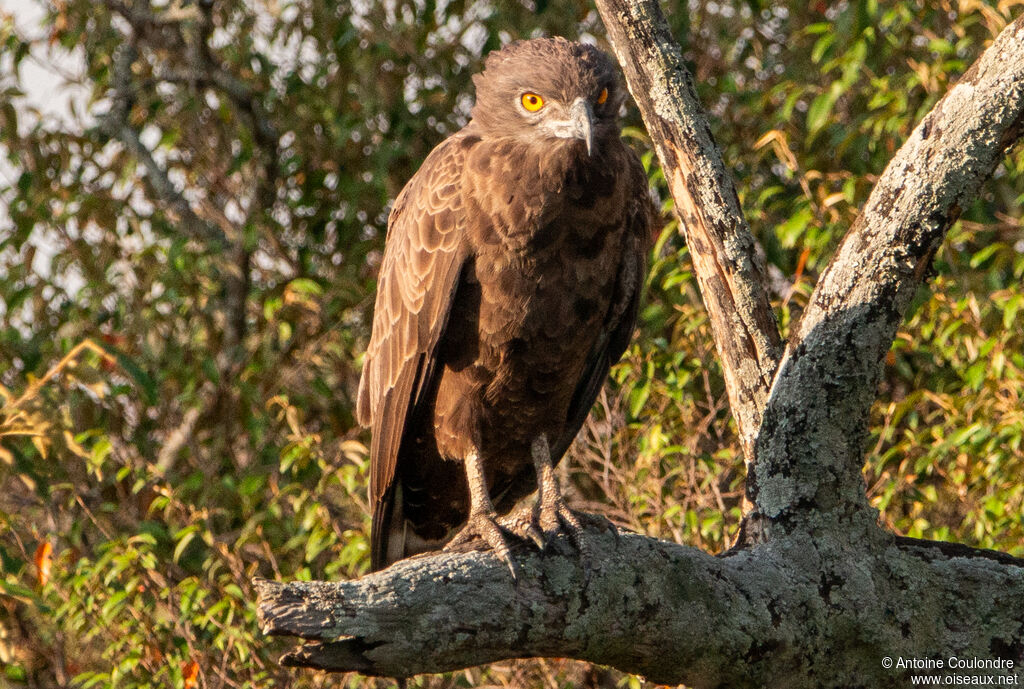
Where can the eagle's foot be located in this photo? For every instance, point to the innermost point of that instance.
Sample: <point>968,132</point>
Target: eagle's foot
<point>554,516</point>
<point>550,511</point>
<point>524,525</point>
<point>598,522</point>
<point>485,526</point>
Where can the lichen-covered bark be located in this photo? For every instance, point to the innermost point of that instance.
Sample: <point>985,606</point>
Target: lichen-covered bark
<point>728,270</point>
<point>809,450</point>
<point>797,612</point>
<point>824,596</point>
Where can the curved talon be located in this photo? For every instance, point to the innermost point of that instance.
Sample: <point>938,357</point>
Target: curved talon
<point>486,527</point>
<point>598,521</point>
<point>483,521</point>
<point>557,517</point>
<point>524,527</point>
<point>550,511</point>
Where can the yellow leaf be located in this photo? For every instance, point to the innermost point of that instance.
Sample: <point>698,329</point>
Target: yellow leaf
<point>769,137</point>
<point>354,450</point>
<point>40,444</point>
<point>833,199</point>
<point>72,445</point>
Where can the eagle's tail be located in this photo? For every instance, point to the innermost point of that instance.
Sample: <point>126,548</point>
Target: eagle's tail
<point>387,540</point>
<point>392,538</point>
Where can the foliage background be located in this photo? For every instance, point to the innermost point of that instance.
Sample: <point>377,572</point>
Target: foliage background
<point>201,233</point>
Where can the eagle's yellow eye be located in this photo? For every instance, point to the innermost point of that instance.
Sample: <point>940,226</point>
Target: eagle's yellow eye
<point>603,96</point>
<point>532,102</point>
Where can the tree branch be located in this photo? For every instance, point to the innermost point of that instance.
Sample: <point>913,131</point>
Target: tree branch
<point>210,225</point>
<point>729,271</point>
<point>810,447</point>
<point>671,613</point>
<point>116,124</point>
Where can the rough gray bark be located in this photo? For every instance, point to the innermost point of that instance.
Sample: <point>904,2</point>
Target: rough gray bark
<point>796,612</point>
<point>809,448</point>
<point>729,271</point>
<point>824,595</point>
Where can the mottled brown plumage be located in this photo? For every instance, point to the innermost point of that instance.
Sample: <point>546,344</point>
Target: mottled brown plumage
<point>509,285</point>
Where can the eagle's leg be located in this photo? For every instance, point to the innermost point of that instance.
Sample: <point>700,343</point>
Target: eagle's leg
<point>483,520</point>
<point>554,515</point>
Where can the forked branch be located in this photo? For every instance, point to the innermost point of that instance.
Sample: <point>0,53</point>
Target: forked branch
<point>810,448</point>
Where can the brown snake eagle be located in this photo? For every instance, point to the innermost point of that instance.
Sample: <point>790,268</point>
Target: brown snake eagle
<point>509,285</point>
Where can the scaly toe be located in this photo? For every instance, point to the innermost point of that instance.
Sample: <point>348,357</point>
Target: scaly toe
<point>559,518</point>
<point>564,520</point>
<point>522,524</point>
<point>484,526</point>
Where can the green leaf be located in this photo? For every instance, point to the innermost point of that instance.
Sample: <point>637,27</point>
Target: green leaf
<point>184,537</point>
<point>305,286</point>
<point>1010,309</point>
<point>15,673</point>
<point>821,46</point>
<point>821,107</point>
<point>790,232</point>
<point>975,375</point>
<point>981,256</point>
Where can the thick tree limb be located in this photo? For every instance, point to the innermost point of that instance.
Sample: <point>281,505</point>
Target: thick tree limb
<point>799,612</point>
<point>810,447</point>
<point>730,273</point>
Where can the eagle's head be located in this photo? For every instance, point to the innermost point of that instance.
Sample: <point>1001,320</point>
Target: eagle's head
<point>549,91</point>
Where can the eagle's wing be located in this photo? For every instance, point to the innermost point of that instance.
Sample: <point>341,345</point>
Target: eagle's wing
<point>423,257</point>
<point>617,329</point>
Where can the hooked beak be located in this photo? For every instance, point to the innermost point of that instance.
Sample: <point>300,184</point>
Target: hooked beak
<point>582,117</point>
